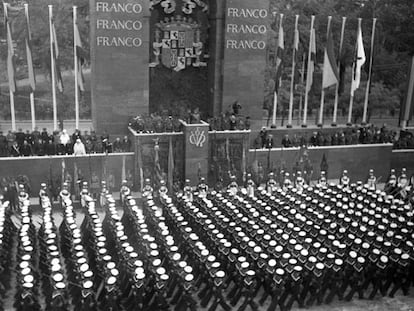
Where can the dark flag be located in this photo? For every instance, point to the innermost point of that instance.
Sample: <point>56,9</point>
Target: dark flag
<point>56,59</point>
<point>28,39</point>
<point>80,55</point>
<point>11,56</point>
<point>157,165</point>
<point>324,165</point>
<point>407,106</point>
<point>279,56</point>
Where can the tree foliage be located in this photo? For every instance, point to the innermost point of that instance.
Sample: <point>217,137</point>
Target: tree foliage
<point>39,24</point>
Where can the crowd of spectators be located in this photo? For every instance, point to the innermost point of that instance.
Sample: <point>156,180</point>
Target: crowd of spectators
<point>350,136</point>
<point>405,140</point>
<point>18,144</point>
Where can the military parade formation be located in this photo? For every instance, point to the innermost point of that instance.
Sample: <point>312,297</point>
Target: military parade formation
<point>268,247</point>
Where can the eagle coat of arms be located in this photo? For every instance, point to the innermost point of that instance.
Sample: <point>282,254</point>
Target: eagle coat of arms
<point>177,44</point>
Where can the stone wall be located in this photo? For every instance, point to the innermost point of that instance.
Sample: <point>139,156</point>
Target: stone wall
<point>357,159</point>
<point>41,169</point>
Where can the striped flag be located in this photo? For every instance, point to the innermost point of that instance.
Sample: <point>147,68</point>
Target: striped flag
<point>279,56</point>
<point>80,54</point>
<point>55,51</point>
<point>28,39</point>
<point>11,64</point>
<point>359,60</point>
<point>311,61</point>
<point>330,68</point>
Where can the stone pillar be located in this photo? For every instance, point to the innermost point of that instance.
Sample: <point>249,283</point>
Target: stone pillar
<point>216,42</point>
<point>120,58</point>
<point>247,24</point>
<point>195,151</point>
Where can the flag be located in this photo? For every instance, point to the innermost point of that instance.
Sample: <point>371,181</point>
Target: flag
<point>11,64</point>
<point>75,179</point>
<point>324,165</point>
<point>228,154</point>
<point>330,68</point>
<point>342,71</point>
<point>311,64</point>
<point>199,175</point>
<point>407,107</point>
<point>279,55</point>
<point>63,170</point>
<point>244,164</point>
<point>55,51</point>
<point>104,166</point>
<point>295,52</point>
<point>140,165</point>
<point>123,171</point>
<point>157,165</point>
<point>170,165</point>
<point>359,61</point>
<point>80,55</point>
<point>28,40</point>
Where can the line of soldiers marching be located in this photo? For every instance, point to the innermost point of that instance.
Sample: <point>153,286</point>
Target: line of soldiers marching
<point>273,245</point>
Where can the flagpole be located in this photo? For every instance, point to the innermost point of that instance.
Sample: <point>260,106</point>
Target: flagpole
<point>341,42</point>
<point>320,122</point>
<point>351,101</point>
<point>274,109</point>
<point>11,92</point>
<point>75,56</point>
<point>292,82</point>
<point>364,116</point>
<point>277,83</point>
<point>302,80</point>
<point>29,35</point>
<point>305,108</point>
<point>52,65</point>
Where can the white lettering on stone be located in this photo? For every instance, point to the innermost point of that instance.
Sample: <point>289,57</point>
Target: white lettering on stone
<point>118,24</point>
<point>132,8</point>
<point>247,13</point>
<point>245,44</point>
<point>242,28</point>
<point>118,41</point>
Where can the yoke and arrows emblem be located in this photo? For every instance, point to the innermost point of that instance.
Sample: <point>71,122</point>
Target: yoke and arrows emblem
<point>197,138</point>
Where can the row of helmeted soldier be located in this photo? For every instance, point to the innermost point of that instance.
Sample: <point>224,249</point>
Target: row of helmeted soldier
<point>237,247</point>
<point>50,263</point>
<point>7,232</point>
<point>367,235</point>
<point>386,270</point>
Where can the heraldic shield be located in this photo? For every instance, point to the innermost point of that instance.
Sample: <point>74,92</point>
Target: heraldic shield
<point>177,44</point>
